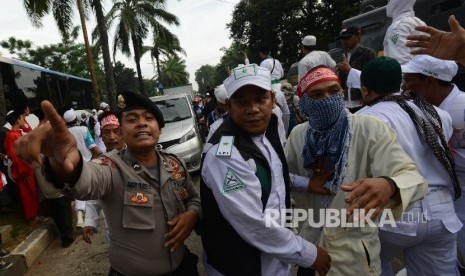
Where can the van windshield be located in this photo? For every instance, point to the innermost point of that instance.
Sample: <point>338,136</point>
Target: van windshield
<point>174,110</point>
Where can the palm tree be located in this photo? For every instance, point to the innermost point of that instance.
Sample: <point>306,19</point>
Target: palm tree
<point>135,18</point>
<point>62,11</point>
<point>165,44</point>
<point>174,71</point>
<point>88,52</point>
<point>105,46</point>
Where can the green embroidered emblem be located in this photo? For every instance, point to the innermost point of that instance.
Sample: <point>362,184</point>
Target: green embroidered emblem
<point>395,38</point>
<point>232,183</point>
<point>245,71</point>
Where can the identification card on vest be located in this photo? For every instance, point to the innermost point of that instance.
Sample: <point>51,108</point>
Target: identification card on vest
<point>225,146</point>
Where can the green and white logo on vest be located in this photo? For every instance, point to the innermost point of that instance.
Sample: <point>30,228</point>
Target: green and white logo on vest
<point>394,38</point>
<point>232,183</point>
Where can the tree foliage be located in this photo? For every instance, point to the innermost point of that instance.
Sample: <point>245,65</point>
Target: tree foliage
<point>133,20</point>
<point>164,44</point>
<point>16,46</point>
<point>281,25</point>
<point>125,78</point>
<point>151,88</point>
<point>67,57</point>
<point>205,77</point>
<point>174,72</point>
<point>265,23</point>
<point>62,11</point>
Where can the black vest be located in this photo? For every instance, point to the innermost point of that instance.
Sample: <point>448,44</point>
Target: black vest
<point>226,251</point>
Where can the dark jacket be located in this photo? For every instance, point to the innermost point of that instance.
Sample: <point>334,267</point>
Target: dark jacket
<point>226,251</point>
<point>358,59</point>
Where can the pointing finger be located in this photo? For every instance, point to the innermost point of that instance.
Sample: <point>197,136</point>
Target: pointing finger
<point>58,124</point>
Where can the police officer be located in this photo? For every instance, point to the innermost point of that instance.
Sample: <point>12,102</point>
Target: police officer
<point>150,203</point>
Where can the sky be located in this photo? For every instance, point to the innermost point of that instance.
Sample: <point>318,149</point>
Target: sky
<point>202,31</point>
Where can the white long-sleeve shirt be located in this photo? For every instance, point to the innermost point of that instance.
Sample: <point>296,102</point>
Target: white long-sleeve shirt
<point>403,24</point>
<point>427,164</point>
<point>454,104</point>
<point>98,138</point>
<point>243,209</point>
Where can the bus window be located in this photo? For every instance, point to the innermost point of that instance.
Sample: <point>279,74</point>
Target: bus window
<point>25,81</point>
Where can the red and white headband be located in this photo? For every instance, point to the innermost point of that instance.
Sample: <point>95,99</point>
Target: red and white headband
<point>110,119</point>
<point>314,77</point>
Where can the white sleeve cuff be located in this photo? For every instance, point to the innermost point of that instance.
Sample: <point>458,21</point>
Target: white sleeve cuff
<point>308,253</point>
<point>299,183</point>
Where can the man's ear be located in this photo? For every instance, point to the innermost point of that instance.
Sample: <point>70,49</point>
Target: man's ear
<point>273,95</point>
<point>365,91</point>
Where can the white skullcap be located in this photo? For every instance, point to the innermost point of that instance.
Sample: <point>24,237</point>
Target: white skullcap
<point>309,40</point>
<point>103,105</point>
<point>220,94</point>
<point>69,116</point>
<point>427,65</point>
<point>251,74</point>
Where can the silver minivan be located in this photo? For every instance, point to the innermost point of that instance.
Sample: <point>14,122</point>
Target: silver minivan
<point>181,134</point>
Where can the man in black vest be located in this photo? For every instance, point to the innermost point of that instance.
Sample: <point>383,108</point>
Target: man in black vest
<point>245,187</point>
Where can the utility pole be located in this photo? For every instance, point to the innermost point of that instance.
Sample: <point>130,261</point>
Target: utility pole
<point>88,53</point>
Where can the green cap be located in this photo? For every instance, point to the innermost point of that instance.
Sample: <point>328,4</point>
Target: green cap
<point>382,75</point>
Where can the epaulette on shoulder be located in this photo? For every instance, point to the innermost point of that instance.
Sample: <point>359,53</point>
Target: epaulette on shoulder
<point>225,146</point>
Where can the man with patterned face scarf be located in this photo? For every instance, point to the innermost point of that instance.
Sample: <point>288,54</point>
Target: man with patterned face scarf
<point>371,173</point>
<point>403,24</point>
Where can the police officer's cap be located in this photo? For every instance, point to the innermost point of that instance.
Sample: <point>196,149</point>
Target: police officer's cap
<point>130,100</point>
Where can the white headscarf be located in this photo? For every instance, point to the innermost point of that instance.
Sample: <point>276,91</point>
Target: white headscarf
<point>397,7</point>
